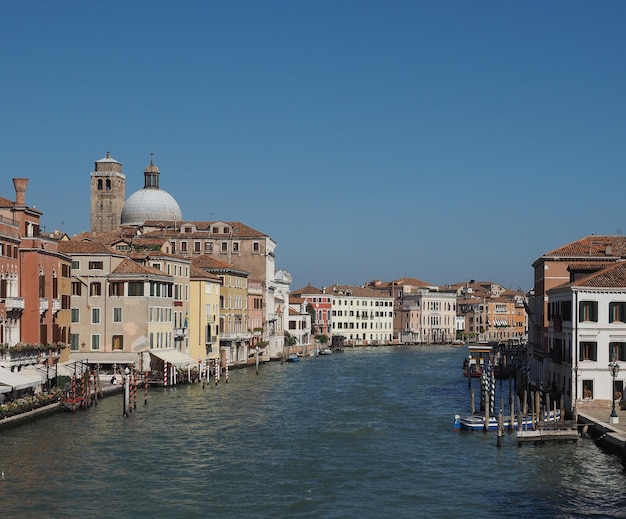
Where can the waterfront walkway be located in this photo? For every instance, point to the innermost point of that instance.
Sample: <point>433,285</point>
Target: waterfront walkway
<point>594,420</point>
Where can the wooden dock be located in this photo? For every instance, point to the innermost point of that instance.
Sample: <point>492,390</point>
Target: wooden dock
<point>561,430</point>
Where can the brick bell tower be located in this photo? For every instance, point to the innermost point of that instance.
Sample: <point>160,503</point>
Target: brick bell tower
<point>108,190</point>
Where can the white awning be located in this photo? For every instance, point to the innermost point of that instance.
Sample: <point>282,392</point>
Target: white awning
<point>17,381</point>
<point>104,357</point>
<point>38,372</point>
<point>173,357</point>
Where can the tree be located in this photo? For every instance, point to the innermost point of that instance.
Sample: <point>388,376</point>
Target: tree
<point>313,314</point>
<point>290,340</point>
<point>322,338</point>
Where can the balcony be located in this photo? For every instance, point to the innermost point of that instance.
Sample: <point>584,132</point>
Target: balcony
<point>14,303</point>
<point>56,305</point>
<point>181,332</point>
<point>43,305</point>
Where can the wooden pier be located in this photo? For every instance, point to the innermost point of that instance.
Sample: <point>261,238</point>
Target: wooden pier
<point>560,430</point>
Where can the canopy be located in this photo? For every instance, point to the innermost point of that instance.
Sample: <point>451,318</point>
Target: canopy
<point>17,381</point>
<point>175,357</point>
<point>105,357</point>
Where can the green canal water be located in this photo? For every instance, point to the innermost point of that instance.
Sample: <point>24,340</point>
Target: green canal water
<point>359,434</point>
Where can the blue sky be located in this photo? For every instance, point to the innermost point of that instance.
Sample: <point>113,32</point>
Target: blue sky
<point>446,141</point>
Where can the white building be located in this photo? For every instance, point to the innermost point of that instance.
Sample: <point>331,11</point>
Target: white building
<point>587,330</point>
<point>363,316</point>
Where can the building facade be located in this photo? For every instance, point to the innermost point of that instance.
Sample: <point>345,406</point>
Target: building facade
<point>362,315</point>
<point>586,332</point>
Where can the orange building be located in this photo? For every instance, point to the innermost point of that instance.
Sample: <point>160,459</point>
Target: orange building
<point>35,278</point>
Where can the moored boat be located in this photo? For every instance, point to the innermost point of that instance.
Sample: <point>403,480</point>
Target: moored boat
<point>476,422</point>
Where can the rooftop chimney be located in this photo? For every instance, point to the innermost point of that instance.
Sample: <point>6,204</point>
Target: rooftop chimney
<point>20,191</point>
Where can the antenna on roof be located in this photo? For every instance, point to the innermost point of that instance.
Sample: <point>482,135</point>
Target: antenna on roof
<point>151,157</point>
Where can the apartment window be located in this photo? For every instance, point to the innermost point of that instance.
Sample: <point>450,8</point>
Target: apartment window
<point>95,342</point>
<point>224,247</point>
<point>617,351</point>
<point>95,288</point>
<point>208,246</point>
<point>236,247</point>
<point>617,312</point>
<point>95,316</point>
<point>117,315</point>
<point>76,288</point>
<point>588,350</point>
<point>196,247</point>
<point>256,247</point>
<point>75,317</point>
<point>183,247</point>
<point>74,341</point>
<point>588,311</point>
<point>135,288</point>
<point>118,342</point>
<point>587,389</point>
<point>95,265</point>
<point>75,265</point>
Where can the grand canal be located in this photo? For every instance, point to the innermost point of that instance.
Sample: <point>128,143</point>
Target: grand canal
<point>364,433</point>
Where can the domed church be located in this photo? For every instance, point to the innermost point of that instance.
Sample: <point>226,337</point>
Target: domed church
<point>108,208</point>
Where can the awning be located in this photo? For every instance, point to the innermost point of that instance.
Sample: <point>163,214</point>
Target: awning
<point>17,381</point>
<point>173,357</point>
<point>38,372</point>
<point>104,357</point>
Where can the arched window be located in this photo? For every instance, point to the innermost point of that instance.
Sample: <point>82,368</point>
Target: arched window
<point>108,184</point>
<point>99,184</point>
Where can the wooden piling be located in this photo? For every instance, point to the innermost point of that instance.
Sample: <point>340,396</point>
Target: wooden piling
<point>486,427</point>
<point>500,427</point>
<point>145,387</point>
<point>538,406</point>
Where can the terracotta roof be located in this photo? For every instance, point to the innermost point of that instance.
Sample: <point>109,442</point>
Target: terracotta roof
<point>128,266</point>
<point>85,247</point>
<point>354,291</point>
<point>5,202</point>
<point>592,266</point>
<point>196,272</point>
<point>169,228</point>
<point>204,261</point>
<point>613,276</point>
<point>593,246</point>
<point>309,289</point>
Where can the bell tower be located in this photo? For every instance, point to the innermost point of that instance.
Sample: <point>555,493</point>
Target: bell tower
<point>108,190</point>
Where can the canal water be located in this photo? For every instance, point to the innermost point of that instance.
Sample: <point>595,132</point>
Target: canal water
<point>359,434</point>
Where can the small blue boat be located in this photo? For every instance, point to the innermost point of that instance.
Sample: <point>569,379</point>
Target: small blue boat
<point>293,358</point>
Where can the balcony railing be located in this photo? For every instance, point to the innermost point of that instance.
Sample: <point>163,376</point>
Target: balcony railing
<point>43,304</point>
<point>56,305</point>
<point>14,303</point>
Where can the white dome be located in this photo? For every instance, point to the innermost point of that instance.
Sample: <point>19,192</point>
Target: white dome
<point>150,203</point>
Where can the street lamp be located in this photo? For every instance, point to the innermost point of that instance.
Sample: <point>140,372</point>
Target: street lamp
<point>614,369</point>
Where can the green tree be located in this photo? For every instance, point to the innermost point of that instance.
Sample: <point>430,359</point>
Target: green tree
<point>322,338</point>
<point>313,314</point>
<point>290,340</point>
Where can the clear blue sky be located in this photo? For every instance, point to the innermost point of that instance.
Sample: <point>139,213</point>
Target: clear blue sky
<point>446,141</point>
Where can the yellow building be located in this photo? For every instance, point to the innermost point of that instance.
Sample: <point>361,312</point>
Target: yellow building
<point>234,331</point>
<point>204,304</point>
